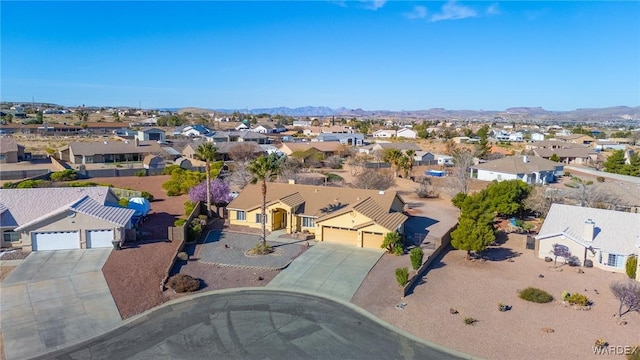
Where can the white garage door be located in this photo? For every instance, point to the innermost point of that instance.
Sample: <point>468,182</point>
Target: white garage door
<point>61,240</point>
<point>99,238</point>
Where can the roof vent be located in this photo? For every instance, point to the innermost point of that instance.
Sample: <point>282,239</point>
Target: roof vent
<point>105,143</point>
<point>381,192</point>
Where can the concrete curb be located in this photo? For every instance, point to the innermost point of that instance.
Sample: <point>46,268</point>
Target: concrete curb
<point>349,305</point>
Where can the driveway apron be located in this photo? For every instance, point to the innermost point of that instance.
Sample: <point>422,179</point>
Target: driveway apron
<point>55,298</point>
<point>328,269</point>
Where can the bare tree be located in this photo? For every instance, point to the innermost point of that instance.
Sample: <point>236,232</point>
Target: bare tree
<point>243,151</point>
<point>463,160</point>
<point>539,201</point>
<point>426,189</point>
<point>290,167</point>
<point>334,162</point>
<point>373,179</point>
<point>357,165</point>
<point>589,194</point>
<point>240,176</point>
<point>628,293</point>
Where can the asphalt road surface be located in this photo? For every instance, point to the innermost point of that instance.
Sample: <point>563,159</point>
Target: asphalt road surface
<point>254,324</point>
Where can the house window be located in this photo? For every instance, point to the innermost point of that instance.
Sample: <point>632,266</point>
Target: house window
<point>616,260</point>
<point>241,215</point>
<point>308,222</point>
<point>10,236</point>
<point>499,177</point>
<point>259,218</point>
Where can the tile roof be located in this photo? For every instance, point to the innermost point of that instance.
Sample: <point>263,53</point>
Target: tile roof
<point>517,165</point>
<point>114,147</point>
<point>24,206</point>
<point>611,235</point>
<point>324,202</point>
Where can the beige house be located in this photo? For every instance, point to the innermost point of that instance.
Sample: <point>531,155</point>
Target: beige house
<point>108,151</point>
<point>326,148</point>
<point>606,237</point>
<point>342,215</point>
<point>10,151</point>
<point>70,218</point>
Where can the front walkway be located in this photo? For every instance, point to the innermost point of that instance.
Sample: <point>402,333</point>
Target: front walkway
<point>329,269</point>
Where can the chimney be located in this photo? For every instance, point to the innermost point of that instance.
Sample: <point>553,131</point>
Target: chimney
<point>589,230</point>
<point>292,181</point>
<point>525,159</point>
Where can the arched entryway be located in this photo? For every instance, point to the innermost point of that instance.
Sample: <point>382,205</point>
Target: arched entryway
<point>279,219</point>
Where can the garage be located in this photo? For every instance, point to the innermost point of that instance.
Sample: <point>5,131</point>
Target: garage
<point>99,238</point>
<point>372,240</point>
<point>340,235</point>
<point>55,240</point>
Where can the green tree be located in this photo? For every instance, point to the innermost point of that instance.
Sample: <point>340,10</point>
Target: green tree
<point>40,116</point>
<point>264,168</point>
<point>615,162</point>
<point>483,148</point>
<point>554,157</point>
<point>506,197</point>
<point>207,152</point>
<point>83,115</point>
<point>473,234</point>
<point>633,167</point>
<point>416,255</point>
<point>7,118</point>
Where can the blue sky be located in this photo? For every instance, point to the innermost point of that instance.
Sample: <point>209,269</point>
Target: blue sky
<point>374,55</point>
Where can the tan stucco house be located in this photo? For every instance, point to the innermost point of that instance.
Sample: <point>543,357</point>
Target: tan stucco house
<point>10,151</point>
<point>108,151</point>
<point>342,215</point>
<point>62,218</point>
<point>606,237</point>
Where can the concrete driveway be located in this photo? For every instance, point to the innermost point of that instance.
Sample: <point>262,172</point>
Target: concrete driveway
<point>55,298</point>
<point>328,269</point>
<point>255,324</point>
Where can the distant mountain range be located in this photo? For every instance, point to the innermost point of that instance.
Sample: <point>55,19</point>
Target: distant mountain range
<point>618,113</point>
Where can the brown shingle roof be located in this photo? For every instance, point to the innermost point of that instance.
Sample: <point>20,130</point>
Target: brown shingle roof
<point>7,145</point>
<point>517,165</point>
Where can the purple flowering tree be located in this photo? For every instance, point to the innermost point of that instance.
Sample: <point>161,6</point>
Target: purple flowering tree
<point>219,193</point>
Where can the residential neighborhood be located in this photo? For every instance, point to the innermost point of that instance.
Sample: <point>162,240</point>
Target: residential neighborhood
<point>370,191</point>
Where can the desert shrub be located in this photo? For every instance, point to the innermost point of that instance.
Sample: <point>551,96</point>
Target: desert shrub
<point>147,195</point>
<point>390,241</point>
<point>503,307</point>
<point>261,249</point>
<point>469,320</point>
<point>573,261</point>
<point>28,184</point>
<point>141,173</point>
<point>600,343</point>
<point>9,185</point>
<point>600,179</point>
<point>183,283</point>
<point>402,276</point>
<point>535,295</point>
<point>398,250</point>
<point>183,256</point>
<point>65,175</point>
<point>567,173</point>
<point>334,162</point>
<point>634,353</point>
<point>188,207</point>
<point>331,177</point>
<point>578,299</point>
<point>631,266</point>
<point>169,169</point>
<point>565,295</point>
<point>194,231</point>
<point>416,255</point>
<point>124,202</point>
<point>179,222</point>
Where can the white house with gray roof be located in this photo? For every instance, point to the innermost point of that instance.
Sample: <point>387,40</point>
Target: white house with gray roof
<point>530,169</point>
<point>606,237</point>
<point>62,218</point>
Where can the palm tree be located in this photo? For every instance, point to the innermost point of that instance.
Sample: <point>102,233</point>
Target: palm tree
<point>410,154</point>
<point>207,152</point>
<point>263,168</point>
<point>393,156</point>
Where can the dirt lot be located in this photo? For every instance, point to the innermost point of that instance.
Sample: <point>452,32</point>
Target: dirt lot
<point>475,288</point>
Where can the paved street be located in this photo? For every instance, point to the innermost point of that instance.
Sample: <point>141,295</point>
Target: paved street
<point>254,324</point>
<point>55,298</point>
<point>329,269</point>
